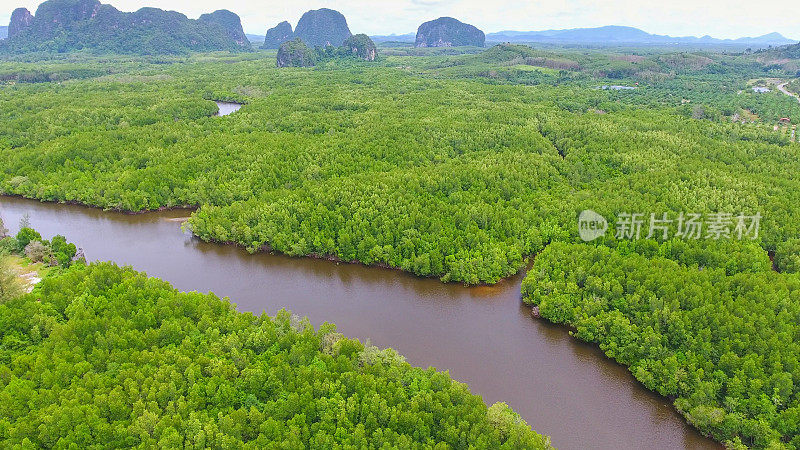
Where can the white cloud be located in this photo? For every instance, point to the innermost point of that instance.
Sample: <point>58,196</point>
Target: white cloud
<point>719,18</point>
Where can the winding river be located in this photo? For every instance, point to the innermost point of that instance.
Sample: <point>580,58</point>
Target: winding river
<point>483,335</point>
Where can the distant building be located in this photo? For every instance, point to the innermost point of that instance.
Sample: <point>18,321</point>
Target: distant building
<point>785,120</point>
<point>760,90</point>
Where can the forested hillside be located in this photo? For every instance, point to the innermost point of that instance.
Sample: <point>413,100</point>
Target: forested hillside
<point>102,356</point>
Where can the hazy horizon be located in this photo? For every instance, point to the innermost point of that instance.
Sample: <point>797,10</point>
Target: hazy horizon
<point>719,19</point>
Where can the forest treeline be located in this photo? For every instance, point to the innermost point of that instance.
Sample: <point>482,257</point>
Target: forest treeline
<point>103,356</point>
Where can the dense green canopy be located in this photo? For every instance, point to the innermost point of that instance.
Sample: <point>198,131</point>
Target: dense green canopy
<point>104,356</point>
<point>464,166</point>
<point>723,345</point>
<point>454,167</point>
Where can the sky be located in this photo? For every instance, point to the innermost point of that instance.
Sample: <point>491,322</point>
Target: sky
<point>718,18</point>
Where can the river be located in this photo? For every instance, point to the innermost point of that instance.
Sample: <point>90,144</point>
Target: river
<point>484,336</point>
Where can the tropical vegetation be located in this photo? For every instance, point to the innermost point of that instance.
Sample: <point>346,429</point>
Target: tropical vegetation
<point>455,163</point>
<point>722,345</point>
<point>459,167</point>
<point>105,357</point>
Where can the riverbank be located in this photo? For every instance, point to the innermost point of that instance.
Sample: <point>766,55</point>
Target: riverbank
<point>483,336</point>
<point>29,274</point>
<point>189,208</point>
<point>265,248</point>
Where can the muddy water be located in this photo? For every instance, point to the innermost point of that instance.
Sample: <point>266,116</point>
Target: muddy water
<point>483,336</point>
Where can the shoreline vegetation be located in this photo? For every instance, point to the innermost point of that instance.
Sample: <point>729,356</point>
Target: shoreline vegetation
<point>168,368</point>
<point>485,186</point>
<point>100,208</point>
<point>719,345</point>
<point>264,249</point>
<point>531,298</point>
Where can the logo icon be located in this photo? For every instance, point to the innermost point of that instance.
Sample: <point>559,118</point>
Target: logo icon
<point>591,225</point>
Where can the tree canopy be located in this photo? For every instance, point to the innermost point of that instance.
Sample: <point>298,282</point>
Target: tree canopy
<point>105,356</point>
<point>722,345</point>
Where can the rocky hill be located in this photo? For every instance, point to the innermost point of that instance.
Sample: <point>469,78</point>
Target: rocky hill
<point>21,18</point>
<point>361,45</point>
<point>295,53</point>
<point>449,32</point>
<point>322,27</point>
<point>70,25</point>
<point>229,22</point>
<point>278,35</point>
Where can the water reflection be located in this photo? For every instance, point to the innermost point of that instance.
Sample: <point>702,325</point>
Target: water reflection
<point>226,108</point>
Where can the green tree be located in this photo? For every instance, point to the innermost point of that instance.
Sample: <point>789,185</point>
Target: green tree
<point>10,285</point>
<point>25,236</point>
<point>787,256</point>
<point>146,365</point>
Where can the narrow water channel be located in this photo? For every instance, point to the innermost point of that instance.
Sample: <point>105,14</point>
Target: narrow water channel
<point>483,336</point>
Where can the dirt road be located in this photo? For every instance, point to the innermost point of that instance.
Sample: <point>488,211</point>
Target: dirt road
<point>782,88</point>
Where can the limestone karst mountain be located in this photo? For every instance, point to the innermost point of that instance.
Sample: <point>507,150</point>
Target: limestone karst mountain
<point>70,25</point>
<point>449,32</point>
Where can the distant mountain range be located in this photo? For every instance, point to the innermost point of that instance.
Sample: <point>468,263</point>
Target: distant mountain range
<point>408,37</point>
<point>66,25</point>
<point>255,38</point>
<point>610,35</point>
<point>627,35</point>
<point>73,25</point>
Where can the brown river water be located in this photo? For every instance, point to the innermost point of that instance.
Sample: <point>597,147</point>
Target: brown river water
<point>484,336</point>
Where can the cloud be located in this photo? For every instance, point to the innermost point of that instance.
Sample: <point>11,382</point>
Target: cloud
<point>719,18</point>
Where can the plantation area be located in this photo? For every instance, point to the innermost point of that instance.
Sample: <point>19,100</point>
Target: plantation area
<point>454,166</point>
